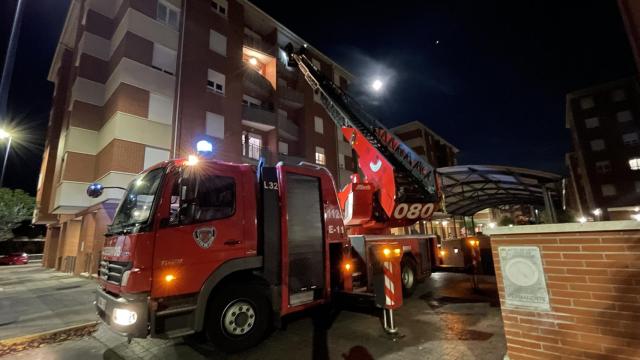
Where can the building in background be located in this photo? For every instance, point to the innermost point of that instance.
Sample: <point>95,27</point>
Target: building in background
<point>604,166</point>
<point>137,81</point>
<point>439,153</point>
<point>630,11</point>
<point>426,143</point>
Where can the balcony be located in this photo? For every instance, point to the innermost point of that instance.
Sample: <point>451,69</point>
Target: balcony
<point>259,118</point>
<point>254,81</point>
<point>253,152</point>
<point>287,129</point>
<point>258,44</point>
<point>291,97</point>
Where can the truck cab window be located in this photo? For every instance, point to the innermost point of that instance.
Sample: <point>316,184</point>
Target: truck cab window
<point>214,198</point>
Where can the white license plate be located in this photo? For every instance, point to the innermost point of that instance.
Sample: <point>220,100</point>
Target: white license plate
<point>102,303</point>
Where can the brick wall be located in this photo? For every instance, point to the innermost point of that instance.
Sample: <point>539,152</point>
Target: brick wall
<point>593,281</point>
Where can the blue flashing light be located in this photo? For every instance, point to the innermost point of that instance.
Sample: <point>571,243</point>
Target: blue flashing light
<point>204,146</point>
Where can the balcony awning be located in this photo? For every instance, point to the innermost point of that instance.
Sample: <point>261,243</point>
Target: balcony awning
<point>471,188</point>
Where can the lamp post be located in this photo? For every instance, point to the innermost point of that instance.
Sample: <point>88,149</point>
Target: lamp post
<point>5,135</point>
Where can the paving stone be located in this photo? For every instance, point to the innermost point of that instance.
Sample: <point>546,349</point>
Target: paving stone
<point>445,319</point>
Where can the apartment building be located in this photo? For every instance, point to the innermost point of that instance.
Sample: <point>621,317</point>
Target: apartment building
<point>425,142</point>
<point>604,166</point>
<point>630,11</point>
<point>137,81</point>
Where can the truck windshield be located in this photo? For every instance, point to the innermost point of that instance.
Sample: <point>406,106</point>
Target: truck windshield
<point>137,204</point>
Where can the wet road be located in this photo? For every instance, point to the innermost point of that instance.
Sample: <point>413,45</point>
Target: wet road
<point>444,319</point>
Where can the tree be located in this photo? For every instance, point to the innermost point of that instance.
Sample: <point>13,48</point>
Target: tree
<point>15,206</point>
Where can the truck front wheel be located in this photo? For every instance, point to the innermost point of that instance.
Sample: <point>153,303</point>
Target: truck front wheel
<point>237,318</point>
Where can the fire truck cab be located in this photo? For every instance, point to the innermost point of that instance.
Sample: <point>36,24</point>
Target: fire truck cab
<point>226,249</point>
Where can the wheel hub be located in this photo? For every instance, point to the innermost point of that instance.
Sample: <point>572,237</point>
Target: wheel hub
<point>407,277</point>
<point>238,318</point>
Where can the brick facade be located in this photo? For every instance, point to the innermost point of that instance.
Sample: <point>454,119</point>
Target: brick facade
<point>426,143</point>
<point>132,89</point>
<point>593,281</point>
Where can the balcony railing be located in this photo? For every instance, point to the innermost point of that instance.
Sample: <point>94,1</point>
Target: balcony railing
<point>252,151</point>
<point>287,128</point>
<point>265,118</point>
<point>255,81</point>
<point>258,44</point>
<point>291,97</point>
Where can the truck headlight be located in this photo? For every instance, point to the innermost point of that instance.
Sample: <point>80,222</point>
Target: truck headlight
<point>124,317</point>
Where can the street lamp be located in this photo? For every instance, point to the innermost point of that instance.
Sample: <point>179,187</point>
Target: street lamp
<point>5,135</point>
<point>597,213</point>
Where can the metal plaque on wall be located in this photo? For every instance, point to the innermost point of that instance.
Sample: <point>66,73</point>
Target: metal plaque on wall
<point>523,278</point>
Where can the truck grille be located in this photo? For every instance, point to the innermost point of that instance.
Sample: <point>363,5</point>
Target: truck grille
<point>112,271</point>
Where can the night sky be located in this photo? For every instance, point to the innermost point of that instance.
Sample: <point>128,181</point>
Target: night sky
<point>488,76</point>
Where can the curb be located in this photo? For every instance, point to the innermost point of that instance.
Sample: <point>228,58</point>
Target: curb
<point>20,343</point>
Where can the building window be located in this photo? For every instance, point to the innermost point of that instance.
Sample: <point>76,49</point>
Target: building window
<point>597,145</point>
<point>590,123</point>
<point>587,102</point>
<point>163,59</point>
<point>218,42</point>
<point>153,156</point>
<point>624,116</point>
<point>251,145</point>
<point>608,190</point>
<point>618,95</point>
<point>215,81</point>
<point>320,158</point>
<point>160,109</point>
<point>634,164</point>
<point>219,6</point>
<point>168,14</point>
<point>283,148</point>
<point>603,167</point>
<point>630,139</point>
<point>318,125</point>
<point>214,125</point>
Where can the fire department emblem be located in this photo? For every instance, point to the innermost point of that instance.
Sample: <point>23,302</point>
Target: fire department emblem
<point>204,236</point>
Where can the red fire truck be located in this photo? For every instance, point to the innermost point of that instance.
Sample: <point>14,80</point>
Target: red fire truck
<point>201,245</point>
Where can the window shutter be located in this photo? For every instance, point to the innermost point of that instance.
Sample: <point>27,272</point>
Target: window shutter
<point>215,125</point>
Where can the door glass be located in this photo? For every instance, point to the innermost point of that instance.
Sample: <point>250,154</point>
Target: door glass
<point>214,198</point>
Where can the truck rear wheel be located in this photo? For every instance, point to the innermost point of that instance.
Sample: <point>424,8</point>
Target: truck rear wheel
<point>409,280</point>
<point>237,318</point>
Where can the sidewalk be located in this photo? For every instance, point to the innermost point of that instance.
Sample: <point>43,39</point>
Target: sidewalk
<point>35,300</point>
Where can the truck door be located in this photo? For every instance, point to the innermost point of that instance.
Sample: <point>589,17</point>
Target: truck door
<point>202,229</point>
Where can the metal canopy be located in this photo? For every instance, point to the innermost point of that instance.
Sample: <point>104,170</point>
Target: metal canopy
<point>471,188</point>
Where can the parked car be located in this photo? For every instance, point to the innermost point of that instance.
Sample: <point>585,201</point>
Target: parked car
<point>18,258</point>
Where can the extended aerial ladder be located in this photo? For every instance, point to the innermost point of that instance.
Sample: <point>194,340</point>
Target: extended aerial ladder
<point>398,173</point>
<point>400,187</point>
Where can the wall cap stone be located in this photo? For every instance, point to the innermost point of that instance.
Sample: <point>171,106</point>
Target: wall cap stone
<point>566,227</point>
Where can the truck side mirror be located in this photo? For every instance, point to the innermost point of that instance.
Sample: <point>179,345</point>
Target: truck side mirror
<point>95,190</point>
